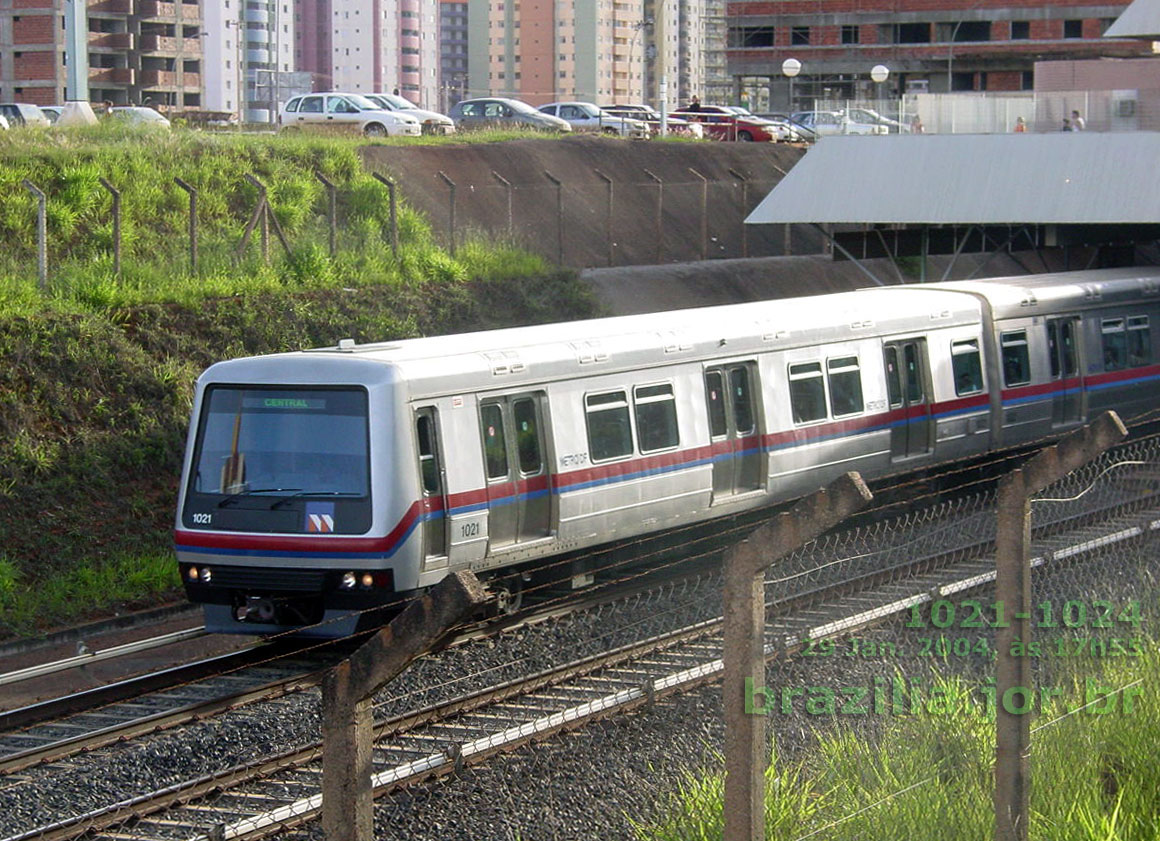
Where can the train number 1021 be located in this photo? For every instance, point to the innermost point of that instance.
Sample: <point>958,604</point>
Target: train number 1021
<point>469,529</point>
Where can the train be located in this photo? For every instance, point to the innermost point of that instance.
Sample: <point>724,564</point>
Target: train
<point>323,484</point>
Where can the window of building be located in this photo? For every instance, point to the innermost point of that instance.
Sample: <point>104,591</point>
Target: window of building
<point>912,33</point>
<point>845,379</point>
<point>807,392</point>
<point>850,34</point>
<point>967,367</point>
<point>1016,360</point>
<point>656,417</point>
<point>965,30</point>
<point>609,432</point>
<point>1027,80</point>
<point>800,36</point>
<point>1073,29</point>
<point>1020,30</point>
<point>750,36</point>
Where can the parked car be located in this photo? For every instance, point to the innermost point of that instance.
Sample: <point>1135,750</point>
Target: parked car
<point>432,122</point>
<point>51,112</point>
<point>803,134</point>
<point>586,116</point>
<point>20,114</point>
<point>345,112</point>
<point>139,116</point>
<point>834,122</point>
<point>722,123</point>
<point>500,112</point>
<point>652,118</point>
<point>872,117</point>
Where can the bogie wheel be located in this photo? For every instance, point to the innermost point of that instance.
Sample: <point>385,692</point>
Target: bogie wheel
<point>509,594</point>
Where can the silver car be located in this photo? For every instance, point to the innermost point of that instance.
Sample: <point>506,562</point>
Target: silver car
<point>586,116</point>
<point>432,122</point>
<point>334,111</point>
<point>500,112</point>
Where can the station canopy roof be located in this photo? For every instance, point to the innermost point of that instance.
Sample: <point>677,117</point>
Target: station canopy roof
<point>1140,20</point>
<point>1059,178</point>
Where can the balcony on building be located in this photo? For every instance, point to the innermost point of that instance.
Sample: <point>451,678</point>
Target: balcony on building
<point>110,7</point>
<point>111,75</point>
<point>158,79</point>
<point>110,40</point>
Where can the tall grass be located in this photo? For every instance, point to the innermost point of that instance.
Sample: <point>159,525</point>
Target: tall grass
<point>1095,776</point>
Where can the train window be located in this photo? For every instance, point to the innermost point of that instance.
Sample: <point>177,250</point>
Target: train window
<point>967,367</point>
<point>527,435</point>
<point>428,464</point>
<point>1115,343</point>
<point>609,432</point>
<point>1016,361</point>
<point>715,395</point>
<point>742,400</point>
<point>656,417</point>
<point>807,394</point>
<point>845,385</point>
<point>893,388</point>
<point>1139,341</point>
<point>913,373</point>
<point>494,446</point>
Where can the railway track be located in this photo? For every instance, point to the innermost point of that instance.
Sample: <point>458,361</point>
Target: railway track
<point>251,800</point>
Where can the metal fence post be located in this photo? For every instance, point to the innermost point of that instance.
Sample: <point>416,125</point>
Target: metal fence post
<point>659,213</point>
<point>559,216</point>
<point>1014,692</point>
<point>744,210</point>
<point>450,210</point>
<point>608,217</point>
<point>41,233</point>
<point>507,185</point>
<point>347,726</point>
<point>395,210</point>
<point>746,751</point>
<point>262,214</point>
<point>331,210</point>
<point>116,194</point>
<point>192,191</point>
<point>704,213</point>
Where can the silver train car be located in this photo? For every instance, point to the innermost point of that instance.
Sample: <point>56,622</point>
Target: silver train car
<point>322,483</point>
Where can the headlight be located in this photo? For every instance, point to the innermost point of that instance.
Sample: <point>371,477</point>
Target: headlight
<point>368,580</point>
<point>206,575</point>
<point>193,574</point>
<point>348,580</point>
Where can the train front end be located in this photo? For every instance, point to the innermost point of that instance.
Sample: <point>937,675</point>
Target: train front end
<point>281,523</point>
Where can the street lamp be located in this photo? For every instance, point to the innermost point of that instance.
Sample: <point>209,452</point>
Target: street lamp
<point>638,26</point>
<point>879,73</point>
<point>790,68</point>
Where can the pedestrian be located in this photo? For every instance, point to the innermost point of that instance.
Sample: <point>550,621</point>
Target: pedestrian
<point>1077,123</point>
<point>694,104</point>
<point>1067,125</point>
<point>916,126</point>
<point>1020,126</point>
<point>107,109</point>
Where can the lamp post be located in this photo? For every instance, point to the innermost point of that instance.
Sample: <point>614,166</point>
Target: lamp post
<point>879,73</point>
<point>790,68</point>
<point>638,26</point>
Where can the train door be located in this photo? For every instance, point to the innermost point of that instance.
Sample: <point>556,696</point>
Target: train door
<point>906,378</point>
<point>733,429</point>
<point>434,489</point>
<point>1063,358</point>
<point>518,497</point>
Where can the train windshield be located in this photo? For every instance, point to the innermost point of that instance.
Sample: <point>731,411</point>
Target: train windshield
<point>288,443</point>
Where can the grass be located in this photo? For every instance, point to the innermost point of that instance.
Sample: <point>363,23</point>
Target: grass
<point>1095,776</point>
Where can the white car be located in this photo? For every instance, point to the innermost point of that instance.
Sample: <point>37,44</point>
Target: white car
<point>138,116</point>
<point>345,112</point>
<point>586,116</point>
<point>432,122</point>
<point>833,122</point>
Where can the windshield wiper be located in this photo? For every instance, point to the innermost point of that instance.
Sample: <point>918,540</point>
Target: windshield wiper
<point>232,498</point>
<point>287,499</point>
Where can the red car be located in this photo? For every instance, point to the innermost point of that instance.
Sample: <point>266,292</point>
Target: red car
<point>722,123</point>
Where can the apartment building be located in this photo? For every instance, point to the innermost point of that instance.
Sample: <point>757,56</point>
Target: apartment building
<point>380,46</point>
<point>128,52</point>
<point>250,61</point>
<point>976,45</point>
<point>452,52</point>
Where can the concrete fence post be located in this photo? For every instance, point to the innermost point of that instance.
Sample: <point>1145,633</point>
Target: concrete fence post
<point>391,187</point>
<point>41,233</point>
<point>450,210</point>
<point>347,725</point>
<point>608,217</point>
<point>559,216</point>
<point>746,751</point>
<point>192,192</point>
<point>1013,673</point>
<point>744,210</point>
<point>507,185</point>
<point>659,236</point>
<point>116,195</point>
<point>704,213</point>
<point>331,210</point>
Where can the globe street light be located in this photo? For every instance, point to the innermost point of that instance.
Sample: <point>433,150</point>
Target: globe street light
<point>879,73</point>
<point>790,68</point>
